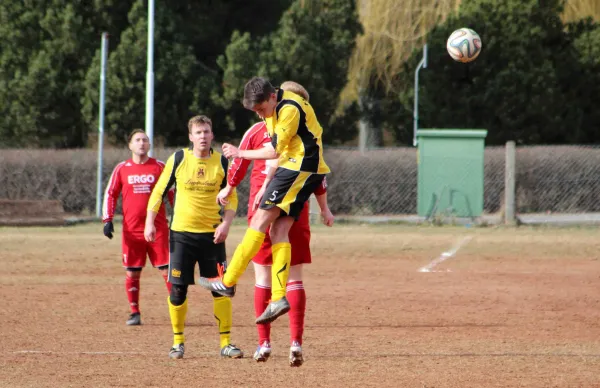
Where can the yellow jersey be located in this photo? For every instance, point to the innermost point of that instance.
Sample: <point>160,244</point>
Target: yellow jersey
<point>197,182</point>
<point>296,134</point>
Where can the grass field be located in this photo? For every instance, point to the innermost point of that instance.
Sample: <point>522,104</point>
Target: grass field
<point>513,308</point>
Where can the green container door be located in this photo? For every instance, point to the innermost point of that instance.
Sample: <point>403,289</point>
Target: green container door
<point>450,173</point>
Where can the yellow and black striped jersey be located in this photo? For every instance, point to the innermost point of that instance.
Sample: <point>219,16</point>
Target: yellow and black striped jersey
<point>296,134</point>
<point>197,182</point>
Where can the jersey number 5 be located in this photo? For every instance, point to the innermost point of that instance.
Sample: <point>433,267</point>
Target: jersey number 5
<point>273,196</point>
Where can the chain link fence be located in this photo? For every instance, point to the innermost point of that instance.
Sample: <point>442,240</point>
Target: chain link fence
<point>557,179</point>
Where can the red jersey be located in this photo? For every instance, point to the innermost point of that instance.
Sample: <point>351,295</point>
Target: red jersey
<point>135,182</point>
<point>255,138</point>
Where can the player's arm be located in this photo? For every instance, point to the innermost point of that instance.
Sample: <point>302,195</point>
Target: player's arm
<point>171,196</point>
<point>111,195</point>
<point>222,230</point>
<point>229,210</point>
<point>286,128</point>
<point>165,181</point>
<point>270,167</point>
<point>171,192</point>
<point>237,169</point>
<point>321,196</point>
<point>266,152</point>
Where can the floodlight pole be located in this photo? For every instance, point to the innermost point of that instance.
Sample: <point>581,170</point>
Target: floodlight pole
<point>150,78</point>
<point>101,124</point>
<point>422,64</point>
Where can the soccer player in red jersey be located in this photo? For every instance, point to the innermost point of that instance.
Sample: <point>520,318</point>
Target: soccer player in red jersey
<point>255,138</point>
<point>134,179</point>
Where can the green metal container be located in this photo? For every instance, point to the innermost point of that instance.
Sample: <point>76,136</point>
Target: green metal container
<point>450,173</point>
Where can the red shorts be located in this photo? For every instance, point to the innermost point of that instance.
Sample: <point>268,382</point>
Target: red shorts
<point>136,248</point>
<point>299,238</point>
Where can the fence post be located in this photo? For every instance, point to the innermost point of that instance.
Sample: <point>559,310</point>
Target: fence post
<point>509,184</point>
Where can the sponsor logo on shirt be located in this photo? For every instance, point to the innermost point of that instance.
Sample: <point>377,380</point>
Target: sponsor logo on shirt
<point>141,183</point>
<point>133,179</point>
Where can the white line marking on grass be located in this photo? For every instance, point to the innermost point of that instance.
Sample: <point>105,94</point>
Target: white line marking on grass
<point>100,353</point>
<point>59,352</point>
<point>446,255</point>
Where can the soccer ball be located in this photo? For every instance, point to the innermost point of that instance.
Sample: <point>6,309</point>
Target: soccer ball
<point>464,45</point>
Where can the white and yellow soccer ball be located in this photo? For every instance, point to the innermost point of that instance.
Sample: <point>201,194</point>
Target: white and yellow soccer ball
<point>464,45</point>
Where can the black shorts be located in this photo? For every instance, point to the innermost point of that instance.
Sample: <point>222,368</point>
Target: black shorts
<point>187,249</point>
<point>289,190</point>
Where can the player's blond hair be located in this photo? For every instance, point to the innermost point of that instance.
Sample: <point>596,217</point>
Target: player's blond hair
<point>199,120</point>
<point>295,87</point>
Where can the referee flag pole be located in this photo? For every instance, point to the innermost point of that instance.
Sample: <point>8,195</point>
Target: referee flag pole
<point>150,78</point>
<point>101,124</point>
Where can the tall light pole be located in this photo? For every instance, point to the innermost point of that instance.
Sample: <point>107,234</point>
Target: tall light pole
<point>422,64</point>
<point>150,78</point>
<point>101,124</point>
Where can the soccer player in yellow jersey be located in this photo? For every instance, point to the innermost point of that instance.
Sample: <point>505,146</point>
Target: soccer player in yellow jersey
<point>296,142</point>
<point>198,229</point>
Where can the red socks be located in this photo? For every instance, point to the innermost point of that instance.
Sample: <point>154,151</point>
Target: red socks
<point>297,297</point>
<point>262,295</point>
<point>165,276</point>
<point>132,286</point>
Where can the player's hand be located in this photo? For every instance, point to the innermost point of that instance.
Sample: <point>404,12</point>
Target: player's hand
<point>223,194</point>
<point>150,233</point>
<point>221,233</point>
<point>230,151</point>
<point>327,217</point>
<point>109,229</point>
<point>258,198</point>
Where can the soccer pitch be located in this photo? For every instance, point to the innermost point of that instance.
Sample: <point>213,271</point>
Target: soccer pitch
<point>511,307</point>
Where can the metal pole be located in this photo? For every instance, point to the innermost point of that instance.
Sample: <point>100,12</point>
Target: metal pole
<point>422,64</point>
<point>509,184</point>
<point>150,78</point>
<point>101,124</point>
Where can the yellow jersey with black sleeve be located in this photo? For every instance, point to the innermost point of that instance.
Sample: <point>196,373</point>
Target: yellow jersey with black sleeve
<point>296,134</point>
<point>197,182</point>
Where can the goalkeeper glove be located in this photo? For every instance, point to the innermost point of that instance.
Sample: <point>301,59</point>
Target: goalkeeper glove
<point>109,229</point>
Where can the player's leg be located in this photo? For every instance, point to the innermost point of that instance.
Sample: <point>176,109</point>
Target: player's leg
<point>158,253</point>
<point>181,275</point>
<point>250,245</point>
<point>300,239</point>
<point>132,287</point>
<point>245,251</point>
<point>214,260</point>
<point>134,259</point>
<point>282,256</point>
<point>262,295</point>
<point>283,183</point>
<point>297,299</point>
<point>292,205</point>
<point>164,272</point>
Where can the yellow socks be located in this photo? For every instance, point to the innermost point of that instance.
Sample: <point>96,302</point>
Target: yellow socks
<point>222,310</point>
<point>280,271</point>
<point>242,256</point>
<point>177,314</point>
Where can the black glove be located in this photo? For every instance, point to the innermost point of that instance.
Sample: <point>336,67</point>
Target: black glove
<point>109,229</point>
